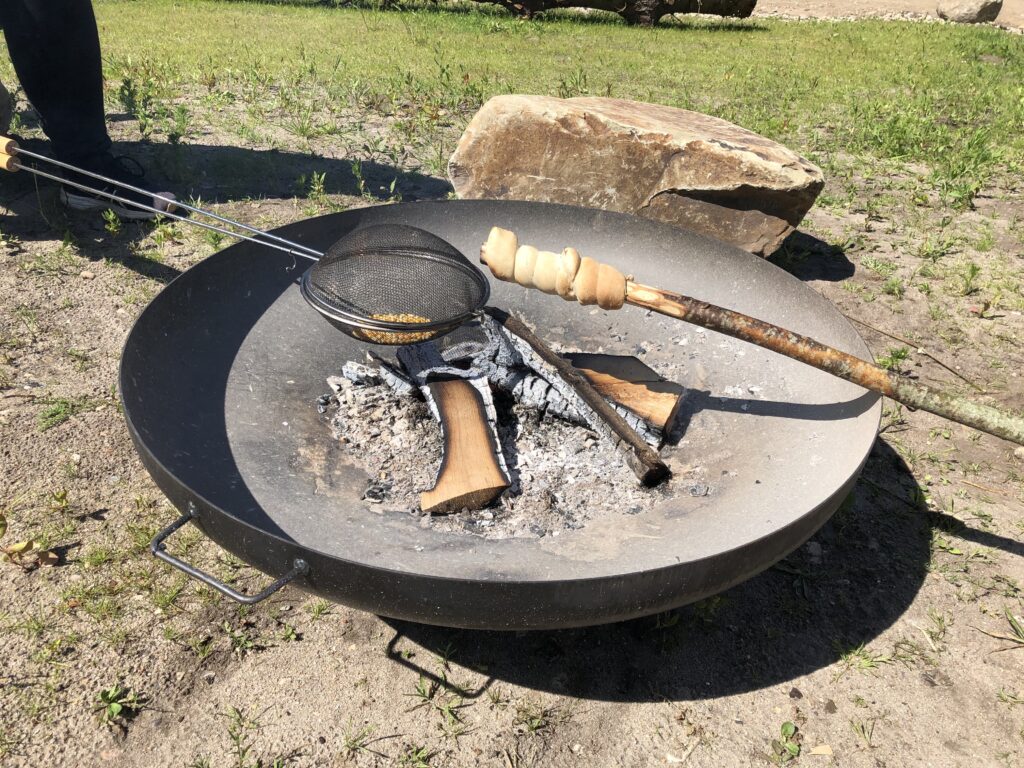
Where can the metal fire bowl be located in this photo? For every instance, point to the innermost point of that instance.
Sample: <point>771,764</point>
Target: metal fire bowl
<point>221,372</point>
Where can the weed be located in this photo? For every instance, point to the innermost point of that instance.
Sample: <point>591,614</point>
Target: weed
<point>201,646</point>
<point>534,716</point>
<point>860,659</point>
<point>213,238</point>
<point>60,409</point>
<point>81,358</point>
<point>575,84</point>
<point>317,188</point>
<point>1008,697</point>
<point>242,642</point>
<point>935,247</point>
<point>318,609</point>
<point>881,267</point>
<point>178,125</point>
<point>497,698</point>
<point>424,691</point>
<point>1016,636</point>
<point>116,703</point>
<point>894,359</point>
<point>111,222</point>
<point>894,287</point>
<point>8,744</point>
<point>356,741</point>
<point>968,279</point>
<point>445,655</point>
<point>787,746</point>
<point>414,757</point>
<point>666,620</point>
<point>864,731</point>
<point>140,96</point>
<point>240,730</point>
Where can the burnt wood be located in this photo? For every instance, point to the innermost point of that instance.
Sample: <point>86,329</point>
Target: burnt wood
<point>633,385</point>
<point>641,458</point>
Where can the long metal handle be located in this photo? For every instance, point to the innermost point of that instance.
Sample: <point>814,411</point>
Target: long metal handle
<point>10,151</point>
<point>299,567</point>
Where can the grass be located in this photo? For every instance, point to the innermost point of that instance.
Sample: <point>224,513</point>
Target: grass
<point>60,409</point>
<point>816,86</point>
<point>924,130</point>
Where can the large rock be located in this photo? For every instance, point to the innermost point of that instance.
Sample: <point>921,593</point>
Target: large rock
<point>969,11</point>
<point>676,166</point>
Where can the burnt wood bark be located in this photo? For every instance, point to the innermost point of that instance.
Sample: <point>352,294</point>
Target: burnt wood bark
<point>641,458</point>
<point>627,381</point>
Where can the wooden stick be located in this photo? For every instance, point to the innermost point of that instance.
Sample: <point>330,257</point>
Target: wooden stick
<point>642,459</point>
<point>578,278</point>
<point>627,381</point>
<point>825,358</point>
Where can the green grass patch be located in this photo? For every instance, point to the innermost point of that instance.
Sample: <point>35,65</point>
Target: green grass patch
<point>947,95</point>
<point>60,409</point>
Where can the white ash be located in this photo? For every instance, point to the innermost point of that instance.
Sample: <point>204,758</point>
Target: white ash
<point>562,475</point>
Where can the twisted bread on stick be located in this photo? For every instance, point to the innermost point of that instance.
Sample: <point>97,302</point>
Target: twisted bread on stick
<point>565,274</point>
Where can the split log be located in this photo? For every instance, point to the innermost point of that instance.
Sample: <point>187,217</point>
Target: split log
<point>630,383</point>
<point>471,473</point>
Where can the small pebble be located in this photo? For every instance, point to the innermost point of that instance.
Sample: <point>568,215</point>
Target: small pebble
<point>699,489</point>
<point>1019,453</point>
<point>85,274</point>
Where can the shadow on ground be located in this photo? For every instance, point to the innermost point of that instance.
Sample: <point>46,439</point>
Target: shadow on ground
<point>793,619</point>
<point>806,257</point>
<point>214,174</point>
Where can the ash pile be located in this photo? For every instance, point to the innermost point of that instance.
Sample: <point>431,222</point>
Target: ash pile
<point>476,433</point>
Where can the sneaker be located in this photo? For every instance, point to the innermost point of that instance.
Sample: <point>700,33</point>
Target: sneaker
<point>119,168</point>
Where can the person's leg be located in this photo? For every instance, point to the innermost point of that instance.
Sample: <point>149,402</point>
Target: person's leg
<point>55,49</point>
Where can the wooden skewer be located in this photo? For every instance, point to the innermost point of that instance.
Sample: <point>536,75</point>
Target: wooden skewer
<point>577,278</point>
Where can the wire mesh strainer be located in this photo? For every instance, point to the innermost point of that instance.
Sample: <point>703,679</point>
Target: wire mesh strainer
<point>394,284</point>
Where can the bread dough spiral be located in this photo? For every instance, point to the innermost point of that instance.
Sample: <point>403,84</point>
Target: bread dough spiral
<point>565,274</point>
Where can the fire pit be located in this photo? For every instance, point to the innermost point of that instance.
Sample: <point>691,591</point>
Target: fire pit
<point>221,375</point>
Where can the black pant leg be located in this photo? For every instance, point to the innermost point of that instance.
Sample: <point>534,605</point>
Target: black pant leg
<point>55,49</point>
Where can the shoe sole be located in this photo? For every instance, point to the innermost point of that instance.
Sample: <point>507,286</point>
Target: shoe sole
<point>86,203</point>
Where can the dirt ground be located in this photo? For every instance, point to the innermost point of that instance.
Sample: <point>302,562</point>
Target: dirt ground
<point>1011,15</point>
<point>886,640</point>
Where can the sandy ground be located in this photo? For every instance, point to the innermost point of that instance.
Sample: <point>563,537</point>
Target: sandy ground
<point>884,640</point>
<point>1011,15</point>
